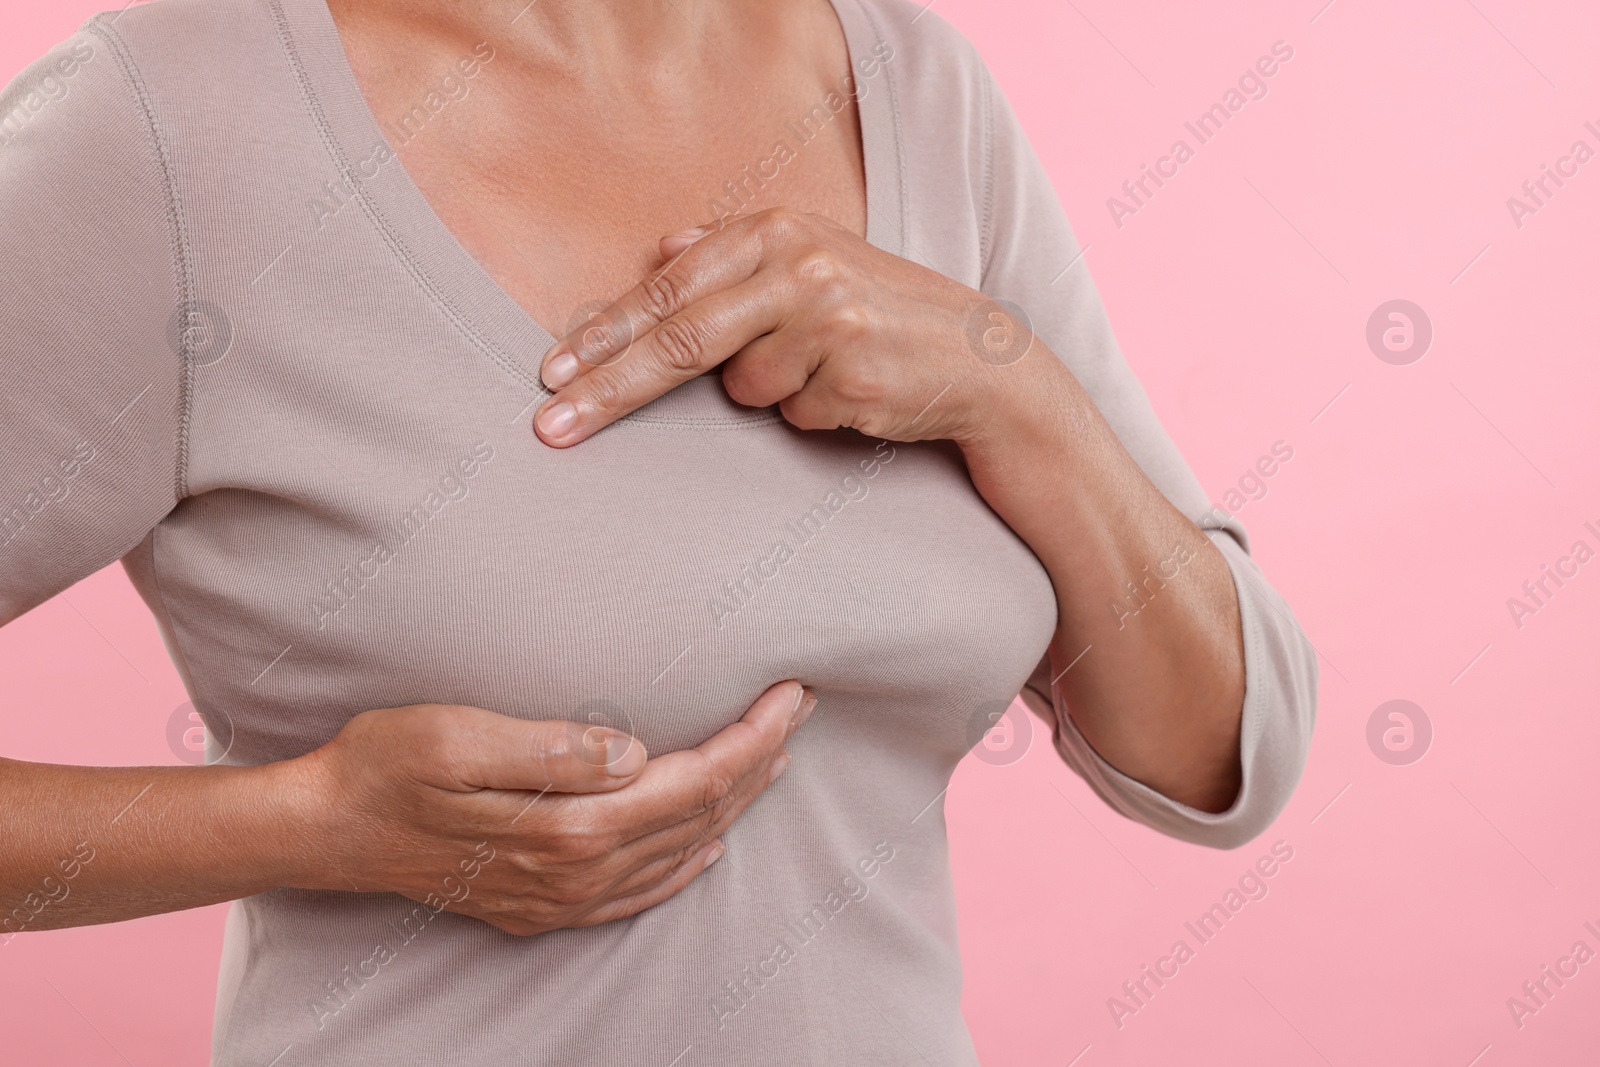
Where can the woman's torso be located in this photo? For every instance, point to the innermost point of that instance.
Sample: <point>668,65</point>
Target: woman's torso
<point>369,522</point>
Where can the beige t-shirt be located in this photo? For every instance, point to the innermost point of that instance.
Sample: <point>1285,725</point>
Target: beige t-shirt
<point>244,356</point>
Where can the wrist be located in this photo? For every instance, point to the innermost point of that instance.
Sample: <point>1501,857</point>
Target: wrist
<point>295,834</point>
<point>1047,461</point>
<point>1032,448</point>
<point>1023,409</point>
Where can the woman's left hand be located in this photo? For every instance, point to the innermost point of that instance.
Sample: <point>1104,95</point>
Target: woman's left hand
<point>805,315</point>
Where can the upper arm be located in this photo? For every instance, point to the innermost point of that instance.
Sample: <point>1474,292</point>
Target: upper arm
<point>91,388</point>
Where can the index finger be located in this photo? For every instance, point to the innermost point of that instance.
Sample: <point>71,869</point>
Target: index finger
<point>635,328</point>
<point>609,333</point>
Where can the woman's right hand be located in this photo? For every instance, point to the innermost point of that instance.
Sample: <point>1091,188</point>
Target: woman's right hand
<point>530,825</point>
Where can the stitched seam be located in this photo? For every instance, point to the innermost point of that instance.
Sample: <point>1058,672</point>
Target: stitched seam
<point>986,228</point>
<point>704,422</point>
<point>899,150</point>
<point>183,267</point>
<point>1253,713</point>
<point>1258,644</point>
<point>378,219</point>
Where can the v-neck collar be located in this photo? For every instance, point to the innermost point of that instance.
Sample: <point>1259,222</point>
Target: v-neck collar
<point>437,261</point>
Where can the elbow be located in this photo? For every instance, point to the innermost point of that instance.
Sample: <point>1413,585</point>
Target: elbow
<point>1278,718</point>
<point>1275,743</point>
<point>1272,767</point>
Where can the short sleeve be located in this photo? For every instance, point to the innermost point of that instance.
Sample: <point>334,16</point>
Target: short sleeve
<point>91,393</point>
<point>1032,259</point>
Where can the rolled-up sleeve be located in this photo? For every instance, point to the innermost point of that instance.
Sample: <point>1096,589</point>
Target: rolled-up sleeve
<point>1279,711</point>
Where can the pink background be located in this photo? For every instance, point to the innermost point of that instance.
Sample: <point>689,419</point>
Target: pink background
<point>1419,897</point>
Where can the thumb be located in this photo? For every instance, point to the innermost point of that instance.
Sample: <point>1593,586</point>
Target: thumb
<point>488,750</point>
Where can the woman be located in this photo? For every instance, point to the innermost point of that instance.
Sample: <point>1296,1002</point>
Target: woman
<point>504,631</point>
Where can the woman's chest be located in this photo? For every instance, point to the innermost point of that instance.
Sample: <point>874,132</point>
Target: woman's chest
<point>658,577</point>
<point>561,187</point>
<point>372,523</point>
<point>564,231</point>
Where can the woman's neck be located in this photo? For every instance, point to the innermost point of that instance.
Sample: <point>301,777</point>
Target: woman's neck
<point>641,42</point>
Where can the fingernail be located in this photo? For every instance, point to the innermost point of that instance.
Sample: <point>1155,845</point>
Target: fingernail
<point>799,698</point>
<point>560,370</point>
<point>557,419</point>
<point>716,854</point>
<point>778,766</point>
<point>805,709</point>
<point>690,234</point>
<point>623,758</point>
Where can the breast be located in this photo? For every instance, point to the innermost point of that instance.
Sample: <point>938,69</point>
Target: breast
<point>656,577</point>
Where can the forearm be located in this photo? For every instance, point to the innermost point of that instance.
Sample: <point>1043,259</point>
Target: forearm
<point>1148,654</point>
<point>85,845</point>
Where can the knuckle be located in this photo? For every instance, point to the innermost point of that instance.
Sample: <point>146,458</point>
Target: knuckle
<point>528,867</point>
<point>779,223</point>
<point>664,293</point>
<point>717,793</point>
<point>749,385</point>
<point>574,828</point>
<point>848,323</point>
<point>606,392</point>
<point>586,838</point>
<point>562,747</point>
<point>818,268</point>
<point>605,333</point>
<point>554,747</point>
<point>683,343</point>
<point>684,856</point>
<point>586,845</point>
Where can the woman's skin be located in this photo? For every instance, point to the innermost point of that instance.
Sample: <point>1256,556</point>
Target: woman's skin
<point>594,129</point>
